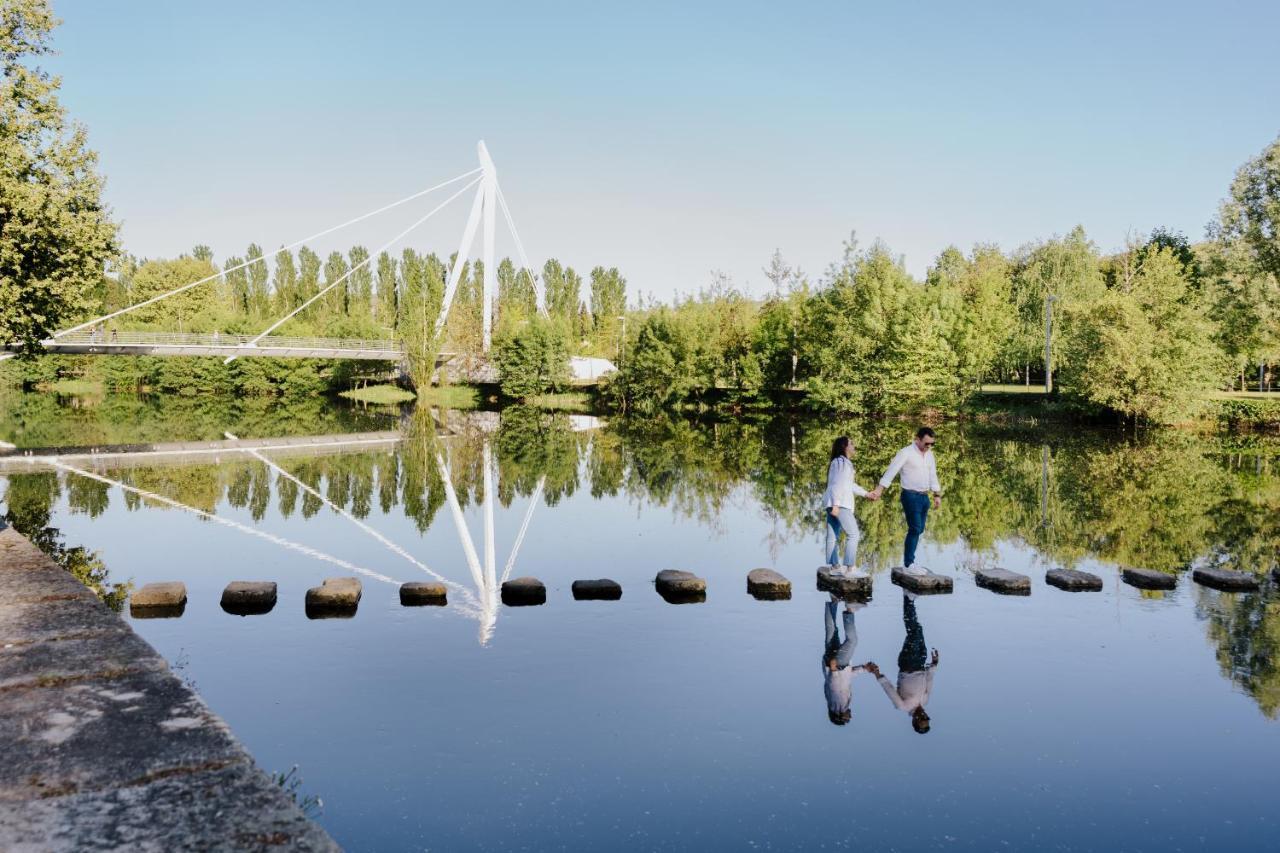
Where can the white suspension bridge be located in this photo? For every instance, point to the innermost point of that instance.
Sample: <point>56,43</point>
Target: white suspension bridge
<point>92,338</point>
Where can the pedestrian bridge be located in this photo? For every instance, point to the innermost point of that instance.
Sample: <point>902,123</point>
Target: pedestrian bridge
<point>98,342</point>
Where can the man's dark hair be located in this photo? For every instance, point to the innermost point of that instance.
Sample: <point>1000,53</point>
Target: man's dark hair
<point>923,431</point>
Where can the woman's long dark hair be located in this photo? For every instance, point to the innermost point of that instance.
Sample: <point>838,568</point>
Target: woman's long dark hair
<point>839,446</point>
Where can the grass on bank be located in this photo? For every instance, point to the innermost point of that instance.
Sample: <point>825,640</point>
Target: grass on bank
<point>574,402</point>
<point>75,387</point>
<point>450,396</point>
<point>379,395</point>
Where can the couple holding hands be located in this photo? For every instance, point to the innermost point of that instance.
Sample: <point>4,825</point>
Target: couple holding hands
<point>914,464</point>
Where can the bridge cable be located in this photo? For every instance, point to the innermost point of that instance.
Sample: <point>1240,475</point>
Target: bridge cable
<point>208,516</point>
<point>252,261</point>
<point>277,324</point>
<point>393,547</point>
<point>539,297</point>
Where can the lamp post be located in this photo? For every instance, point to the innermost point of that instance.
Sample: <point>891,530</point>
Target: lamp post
<point>1048,343</point>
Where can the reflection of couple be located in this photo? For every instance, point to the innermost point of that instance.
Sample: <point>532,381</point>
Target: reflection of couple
<point>915,666</point>
<point>918,469</point>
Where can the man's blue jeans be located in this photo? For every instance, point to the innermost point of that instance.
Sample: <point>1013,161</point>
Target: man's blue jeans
<point>915,506</point>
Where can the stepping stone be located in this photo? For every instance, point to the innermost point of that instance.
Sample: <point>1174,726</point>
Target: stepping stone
<point>1003,581</point>
<point>1073,580</point>
<point>1148,579</point>
<point>601,589</point>
<point>928,584</point>
<point>249,598</point>
<point>524,592</point>
<point>677,587</point>
<point>159,601</point>
<point>856,589</point>
<point>421,593</point>
<point>768,585</point>
<point>1226,580</point>
<point>336,598</point>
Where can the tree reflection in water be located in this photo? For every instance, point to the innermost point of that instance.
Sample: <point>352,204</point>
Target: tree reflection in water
<point>1166,500</point>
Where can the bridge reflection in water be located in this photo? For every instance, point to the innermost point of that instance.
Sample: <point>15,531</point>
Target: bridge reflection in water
<point>480,601</point>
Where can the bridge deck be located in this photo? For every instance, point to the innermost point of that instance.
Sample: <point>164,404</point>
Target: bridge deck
<point>223,345</point>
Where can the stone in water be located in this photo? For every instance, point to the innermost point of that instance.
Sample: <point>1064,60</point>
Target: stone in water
<point>601,589</point>
<point>249,598</point>
<point>853,589</point>
<point>335,598</point>
<point>524,592</point>
<point>1226,580</point>
<point>159,601</point>
<point>929,583</point>
<point>418,594</point>
<point>1148,579</point>
<point>1073,580</point>
<point>677,587</point>
<point>1003,581</point>
<point>768,585</point>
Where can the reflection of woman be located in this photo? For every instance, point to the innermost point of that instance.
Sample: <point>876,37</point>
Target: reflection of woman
<point>837,662</point>
<point>838,502</point>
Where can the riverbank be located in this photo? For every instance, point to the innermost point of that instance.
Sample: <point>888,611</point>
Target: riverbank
<point>104,746</point>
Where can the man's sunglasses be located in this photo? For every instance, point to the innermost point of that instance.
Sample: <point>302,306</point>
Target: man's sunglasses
<point>930,443</point>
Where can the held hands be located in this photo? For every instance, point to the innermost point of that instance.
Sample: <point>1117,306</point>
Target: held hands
<point>937,501</point>
<point>871,667</point>
<point>874,494</point>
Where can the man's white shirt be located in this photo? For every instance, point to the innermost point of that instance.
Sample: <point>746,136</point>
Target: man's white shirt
<point>919,471</point>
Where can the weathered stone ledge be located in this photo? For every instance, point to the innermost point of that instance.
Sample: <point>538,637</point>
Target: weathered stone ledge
<point>104,747</point>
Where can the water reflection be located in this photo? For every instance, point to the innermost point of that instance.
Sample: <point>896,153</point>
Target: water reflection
<point>838,668</point>
<point>916,666</point>
<point>1167,501</point>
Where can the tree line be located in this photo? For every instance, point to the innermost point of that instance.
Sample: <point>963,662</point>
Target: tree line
<point>1149,332</point>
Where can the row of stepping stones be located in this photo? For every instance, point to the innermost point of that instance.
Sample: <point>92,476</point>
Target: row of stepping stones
<point>339,597</point>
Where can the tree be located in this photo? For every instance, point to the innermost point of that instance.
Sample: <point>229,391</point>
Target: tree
<point>534,361</point>
<point>1251,216</point>
<point>285,285</point>
<point>237,279</point>
<point>360,284</point>
<point>1145,351</point>
<point>608,301</point>
<point>563,288</point>
<point>973,302</point>
<point>308,274</point>
<point>259,295</point>
<point>335,301</point>
<point>56,233</point>
<point>384,306</point>
<point>202,253</point>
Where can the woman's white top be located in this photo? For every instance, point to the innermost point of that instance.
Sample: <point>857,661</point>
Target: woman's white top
<point>840,485</point>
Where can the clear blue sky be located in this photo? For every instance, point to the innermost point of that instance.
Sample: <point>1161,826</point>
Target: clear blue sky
<point>673,139</point>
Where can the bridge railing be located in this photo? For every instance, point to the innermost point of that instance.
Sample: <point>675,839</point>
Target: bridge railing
<point>90,337</point>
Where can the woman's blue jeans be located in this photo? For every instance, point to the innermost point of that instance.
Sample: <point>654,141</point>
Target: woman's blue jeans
<point>842,522</point>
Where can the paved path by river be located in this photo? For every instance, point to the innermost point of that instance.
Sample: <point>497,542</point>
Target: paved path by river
<point>104,747</point>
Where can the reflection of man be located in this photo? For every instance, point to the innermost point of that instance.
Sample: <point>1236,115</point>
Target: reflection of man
<point>919,471</point>
<point>837,668</point>
<point>915,670</point>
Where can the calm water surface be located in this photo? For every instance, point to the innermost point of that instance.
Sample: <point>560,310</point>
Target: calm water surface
<point>1112,720</point>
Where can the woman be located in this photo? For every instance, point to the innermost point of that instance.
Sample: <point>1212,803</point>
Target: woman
<point>838,500</point>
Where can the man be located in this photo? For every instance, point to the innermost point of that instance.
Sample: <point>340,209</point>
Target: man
<point>919,471</point>
<point>915,670</point>
<point>837,662</point>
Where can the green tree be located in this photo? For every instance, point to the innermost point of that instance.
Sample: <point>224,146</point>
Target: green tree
<point>534,361</point>
<point>360,284</point>
<point>1251,216</point>
<point>237,285</point>
<point>335,301</point>
<point>563,290</point>
<point>308,274</point>
<point>285,284</point>
<point>56,234</point>
<point>1145,350</point>
<point>974,297</point>
<point>384,305</point>
<point>259,298</point>
<point>608,302</point>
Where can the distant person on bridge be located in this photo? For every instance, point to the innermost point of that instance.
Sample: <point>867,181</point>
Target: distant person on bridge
<point>837,662</point>
<point>919,471</point>
<point>838,503</point>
